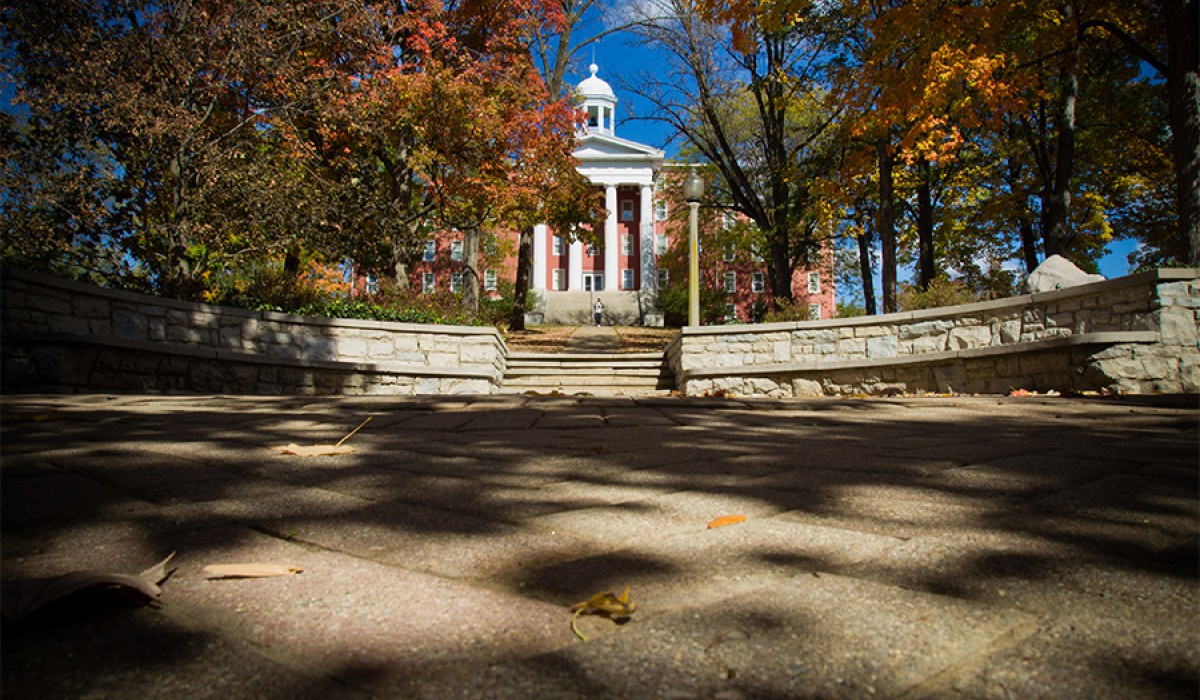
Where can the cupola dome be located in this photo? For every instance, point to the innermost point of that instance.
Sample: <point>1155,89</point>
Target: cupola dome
<point>599,101</point>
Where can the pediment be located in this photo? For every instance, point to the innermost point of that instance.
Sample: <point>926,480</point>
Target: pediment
<point>604,147</point>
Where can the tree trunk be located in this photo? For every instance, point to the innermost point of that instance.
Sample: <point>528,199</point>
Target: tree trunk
<point>927,268</point>
<point>866,269</point>
<point>1029,245</point>
<point>1056,223</point>
<point>524,272</point>
<point>470,270</point>
<point>1182,18</point>
<point>886,225</point>
<point>779,270</point>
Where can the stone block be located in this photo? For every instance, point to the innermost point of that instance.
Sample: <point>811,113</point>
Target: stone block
<point>926,344</point>
<point>925,329</point>
<point>969,337</point>
<point>157,328</point>
<point>881,346</point>
<point>89,307</point>
<point>853,347</point>
<point>807,387</point>
<point>188,334</point>
<point>1177,326</point>
<point>50,302</point>
<point>351,348</point>
<point>130,325</point>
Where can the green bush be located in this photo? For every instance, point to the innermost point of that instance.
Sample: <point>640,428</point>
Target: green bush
<point>942,291</point>
<point>788,311</point>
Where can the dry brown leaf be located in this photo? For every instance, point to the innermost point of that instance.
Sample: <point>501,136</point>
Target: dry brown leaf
<point>23,598</point>
<point>614,607</point>
<point>726,520</point>
<point>253,570</point>
<point>314,450</point>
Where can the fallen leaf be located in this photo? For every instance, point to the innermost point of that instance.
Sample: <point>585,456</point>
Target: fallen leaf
<point>1020,392</point>
<point>614,607</point>
<point>23,598</point>
<point>255,570</point>
<point>599,449</point>
<point>726,520</point>
<point>314,450</point>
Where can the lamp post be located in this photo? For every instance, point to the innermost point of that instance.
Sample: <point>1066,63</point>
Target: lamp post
<point>693,192</point>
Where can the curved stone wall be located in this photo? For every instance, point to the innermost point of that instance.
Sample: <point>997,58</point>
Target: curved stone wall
<point>1131,334</point>
<point>64,336</point>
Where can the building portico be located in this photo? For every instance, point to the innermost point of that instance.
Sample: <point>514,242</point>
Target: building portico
<point>627,171</point>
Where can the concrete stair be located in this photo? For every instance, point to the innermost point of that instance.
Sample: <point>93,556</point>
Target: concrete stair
<point>600,374</point>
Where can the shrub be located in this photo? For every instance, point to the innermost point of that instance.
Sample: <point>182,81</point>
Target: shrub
<point>788,311</point>
<point>942,291</point>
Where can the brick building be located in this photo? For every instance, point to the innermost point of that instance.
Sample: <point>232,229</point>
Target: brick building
<point>624,271</point>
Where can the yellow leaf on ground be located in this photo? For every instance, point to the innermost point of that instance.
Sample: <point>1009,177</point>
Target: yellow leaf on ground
<point>726,520</point>
<point>614,607</point>
<point>255,570</point>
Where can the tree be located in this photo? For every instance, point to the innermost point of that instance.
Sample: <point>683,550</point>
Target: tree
<point>747,99</point>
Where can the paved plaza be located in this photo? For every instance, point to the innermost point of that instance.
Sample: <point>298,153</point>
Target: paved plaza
<point>940,547</point>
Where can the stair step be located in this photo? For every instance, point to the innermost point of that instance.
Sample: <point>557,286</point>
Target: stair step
<point>592,373</point>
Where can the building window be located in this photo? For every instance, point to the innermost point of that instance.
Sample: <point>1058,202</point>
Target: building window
<point>592,250</point>
<point>730,312</point>
<point>593,117</point>
<point>660,244</point>
<point>430,251</point>
<point>456,250</point>
<point>593,281</point>
<point>730,253</point>
<point>489,280</point>
<point>626,210</point>
<point>814,283</point>
<point>730,282</point>
<point>560,282</point>
<point>727,220</point>
<point>427,283</point>
<point>372,283</point>
<point>627,244</point>
<point>456,282</point>
<point>664,276</point>
<point>558,245</point>
<point>814,311</point>
<point>660,210</point>
<point>758,283</point>
<point>627,279</point>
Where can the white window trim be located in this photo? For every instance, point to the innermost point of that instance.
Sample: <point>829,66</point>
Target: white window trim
<point>558,279</point>
<point>456,250</point>
<point>428,283</point>
<point>627,244</point>
<point>814,283</point>
<point>758,282</point>
<point>627,279</point>
<point>489,280</point>
<point>558,246</point>
<point>430,253</point>
<point>456,282</point>
<point>729,282</point>
<point>814,312</point>
<point>664,277</point>
<point>660,210</point>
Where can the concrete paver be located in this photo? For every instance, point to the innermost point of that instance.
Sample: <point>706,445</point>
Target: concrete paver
<point>940,547</point>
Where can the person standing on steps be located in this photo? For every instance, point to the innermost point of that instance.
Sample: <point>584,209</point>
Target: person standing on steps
<point>598,308</point>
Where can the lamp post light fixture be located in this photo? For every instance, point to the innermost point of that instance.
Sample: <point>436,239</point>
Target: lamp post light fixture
<point>693,192</point>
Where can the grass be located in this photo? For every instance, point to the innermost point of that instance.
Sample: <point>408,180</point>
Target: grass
<point>554,338</point>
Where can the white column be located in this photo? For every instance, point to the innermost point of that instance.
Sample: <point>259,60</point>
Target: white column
<point>575,267</point>
<point>612,247</point>
<point>646,245</point>
<point>539,257</point>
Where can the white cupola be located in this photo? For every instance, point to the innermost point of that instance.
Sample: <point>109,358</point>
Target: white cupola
<point>599,102</point>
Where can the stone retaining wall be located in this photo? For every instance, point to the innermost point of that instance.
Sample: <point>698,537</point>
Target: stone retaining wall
<point>66,336</point>
<point>1131,334</point>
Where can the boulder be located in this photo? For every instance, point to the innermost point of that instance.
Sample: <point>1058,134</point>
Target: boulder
<point>1056,272</point>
